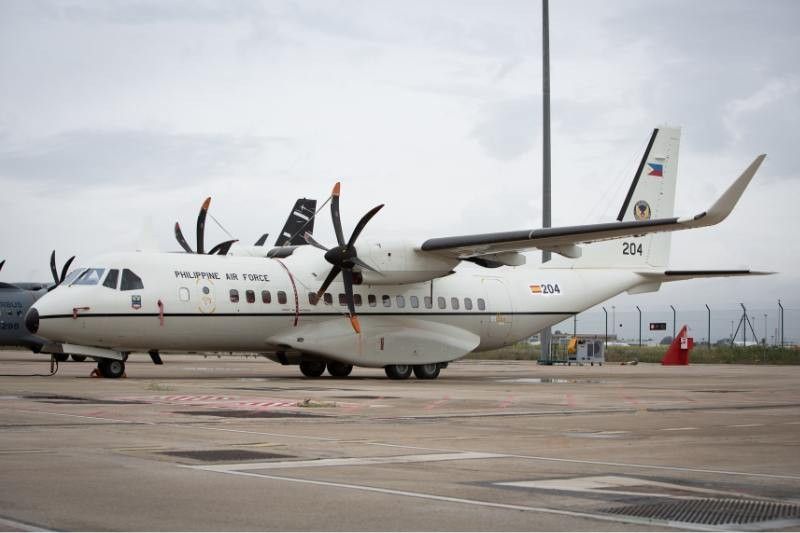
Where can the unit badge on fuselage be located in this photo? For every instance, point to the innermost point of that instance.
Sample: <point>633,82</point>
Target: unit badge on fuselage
<point>136,302</point>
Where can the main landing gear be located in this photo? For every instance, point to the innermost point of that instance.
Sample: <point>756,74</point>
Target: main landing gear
<point>429,371</point>
<point>314,369</point>
<point>110,368</point>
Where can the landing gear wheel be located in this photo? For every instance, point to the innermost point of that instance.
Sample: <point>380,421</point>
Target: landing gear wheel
<point>429,371</point>
<point>398,371</point>
<point>339,370</point>
<point>78,358</point>
<point>60,357</point>
<point>111,368</point>
<point>312,369</point>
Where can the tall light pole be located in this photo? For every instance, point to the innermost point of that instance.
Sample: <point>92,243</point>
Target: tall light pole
<point>709,326</point>
<point>545,335</point>
<point>674,318</point>
<point>640,326</point>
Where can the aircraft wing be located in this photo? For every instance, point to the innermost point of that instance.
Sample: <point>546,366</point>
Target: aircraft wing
<point>680,275</point>
<point>564,240</point>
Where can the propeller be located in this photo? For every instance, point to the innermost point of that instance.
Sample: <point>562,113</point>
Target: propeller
<point>221,249</point>
<point>3,262</point>
<point>343,257</point>
<point>56,278</point>
<point>261,240</point>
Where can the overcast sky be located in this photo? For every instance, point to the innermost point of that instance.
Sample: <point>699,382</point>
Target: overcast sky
<point>119,115</point>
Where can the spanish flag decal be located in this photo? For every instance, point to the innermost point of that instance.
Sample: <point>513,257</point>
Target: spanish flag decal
<point>536,289</point>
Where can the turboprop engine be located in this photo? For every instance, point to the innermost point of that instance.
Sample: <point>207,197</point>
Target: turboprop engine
<point>400,262</point>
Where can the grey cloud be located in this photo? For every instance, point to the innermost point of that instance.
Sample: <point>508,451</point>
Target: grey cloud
<point>130,157</point>
<point>509,128</point>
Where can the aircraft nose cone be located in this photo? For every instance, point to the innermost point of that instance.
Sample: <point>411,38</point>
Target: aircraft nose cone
<point>32,320</point>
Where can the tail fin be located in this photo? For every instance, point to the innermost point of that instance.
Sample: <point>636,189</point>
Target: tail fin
<point>300,221</point>
<point>650,196</point>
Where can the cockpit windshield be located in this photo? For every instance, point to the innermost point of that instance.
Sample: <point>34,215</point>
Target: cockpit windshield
<point>90,276</point>
<point>72,275</point>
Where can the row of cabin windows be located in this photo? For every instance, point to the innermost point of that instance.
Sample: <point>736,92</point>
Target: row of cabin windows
<point>372,300</point>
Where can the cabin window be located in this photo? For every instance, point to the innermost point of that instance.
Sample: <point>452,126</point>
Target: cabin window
<point>111,279</point>
<point>441,302</point>
<point>183,294</point>
<point>468,304</point>
<point>481,304</point>
<point>312,298</point>
<point>130,281</point>
<point>454,303</point>
<point>387,300</point>
<point>234,296</point>
<point>91,276</point>
<point>401,301</point>
<point>266,297</point>
<point>327,298</point>
<point>281,297</point>
<point>428,302</point>
<point>342,298</point>
<point>372,300</point>
<point>72,275</point>
<point>357,299</point>
<point>251,297</point>
<point>414,302</point>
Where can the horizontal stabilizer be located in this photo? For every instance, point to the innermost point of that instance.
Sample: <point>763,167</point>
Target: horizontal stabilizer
<point>678,275</point>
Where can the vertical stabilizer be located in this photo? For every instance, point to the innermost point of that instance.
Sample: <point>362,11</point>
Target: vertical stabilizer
<point>650,196</point>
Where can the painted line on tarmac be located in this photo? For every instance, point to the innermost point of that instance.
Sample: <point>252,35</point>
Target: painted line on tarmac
<point>351,461</point>
<point>16,525</point>
<point>117,420</point>
<point>474,503</point>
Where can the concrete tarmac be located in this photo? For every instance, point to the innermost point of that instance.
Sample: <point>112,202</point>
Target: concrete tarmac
<point>241,444</point>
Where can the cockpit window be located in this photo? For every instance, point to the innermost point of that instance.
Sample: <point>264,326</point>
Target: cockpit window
<point>72,275</point>
<point>130,281</point>
<point>111,279</point>
<point>90,276</point>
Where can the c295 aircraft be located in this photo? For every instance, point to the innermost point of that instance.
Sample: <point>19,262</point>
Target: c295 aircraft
<point>398,305</point>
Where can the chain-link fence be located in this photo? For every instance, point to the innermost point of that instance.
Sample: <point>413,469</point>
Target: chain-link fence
<point>658,325</point>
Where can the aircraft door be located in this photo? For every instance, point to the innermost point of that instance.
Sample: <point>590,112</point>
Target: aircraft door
<point>496,325</point>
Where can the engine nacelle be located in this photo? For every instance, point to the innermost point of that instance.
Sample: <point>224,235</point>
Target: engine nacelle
<point>399,262</point>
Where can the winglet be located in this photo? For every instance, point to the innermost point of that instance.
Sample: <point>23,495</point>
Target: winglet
<point>725,204</point>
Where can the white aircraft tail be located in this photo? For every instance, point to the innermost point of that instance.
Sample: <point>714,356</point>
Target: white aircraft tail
<point>650,196</point>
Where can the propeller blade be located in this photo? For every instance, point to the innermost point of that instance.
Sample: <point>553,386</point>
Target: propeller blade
<point>3,262</point>
<point>337,221</point>
<point>362,264</point>
<point>222,248</point>
<point>65,269</point>
<point>53,267</point>
<point>201,225</point>
<point>331,276</point>
<point>361,223</point>
<point>313,242</point>
<point>182,239</point>
<point>262,240</point>
<point>347,277</point>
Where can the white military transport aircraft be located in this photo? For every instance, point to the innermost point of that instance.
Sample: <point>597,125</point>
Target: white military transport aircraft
<point>409,309</point>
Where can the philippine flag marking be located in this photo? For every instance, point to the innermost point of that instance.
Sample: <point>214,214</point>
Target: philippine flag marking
<point>657,169</point>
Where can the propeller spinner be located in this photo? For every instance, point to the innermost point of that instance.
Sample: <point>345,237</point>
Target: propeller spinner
<point>344,256</point>
<point>221,249</point>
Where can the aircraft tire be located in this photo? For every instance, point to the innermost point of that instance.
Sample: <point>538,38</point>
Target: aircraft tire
<point>398,371</point>
<point>339,370</point>
<point>78,358</point>
<point>312,369</point>
<point>429,371</point>
<point>111,368</point>
<point>60,357</point>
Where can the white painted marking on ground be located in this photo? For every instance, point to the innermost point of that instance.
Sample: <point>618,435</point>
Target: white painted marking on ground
<point>13,525</point>
<point>613,484</point>
<point>350,461</point>
<point>678,429</point>
<point>745,425</point>
<point>83,416</point>
<point>475,503</point>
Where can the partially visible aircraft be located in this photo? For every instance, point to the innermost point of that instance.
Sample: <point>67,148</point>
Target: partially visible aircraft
<point>409,308</point>
<point>16,299</point>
